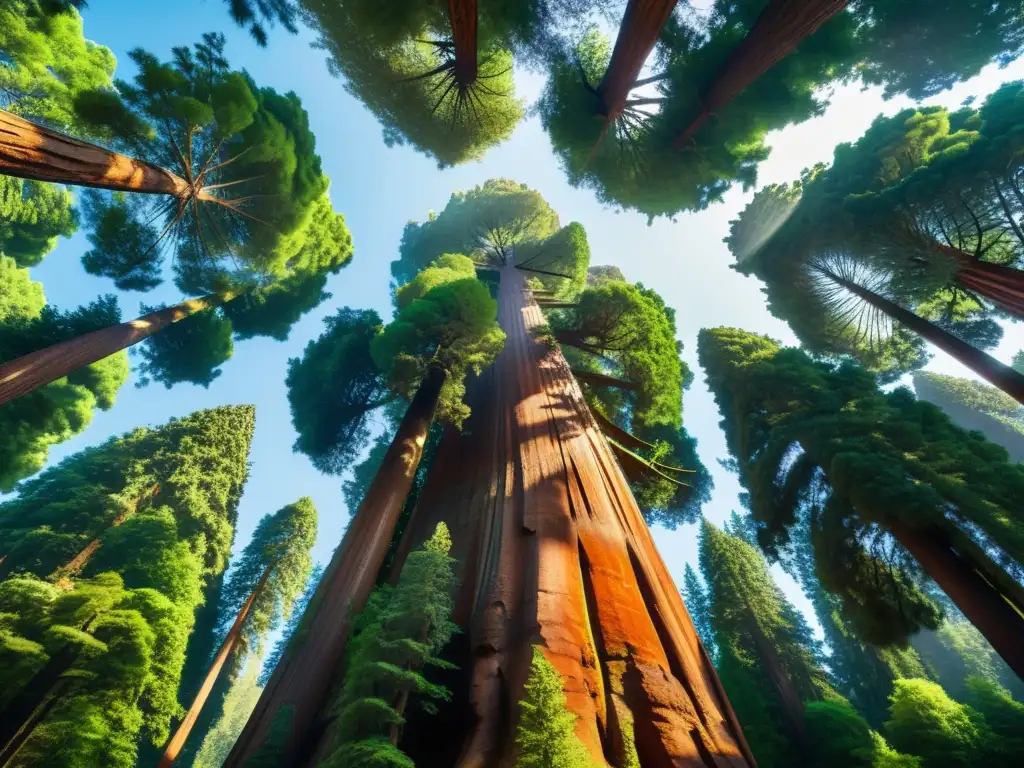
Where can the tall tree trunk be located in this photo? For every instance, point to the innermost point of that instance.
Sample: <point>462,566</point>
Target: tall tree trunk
<point>296,695</point>
<point>79,561</point>
<point>592,377</point>
<point>983,364</point>
<point>552,550</point>
<point>638,33</point>
<point>177,741</point>
<point>21,715</point>
<point>792,704</point>
<point>463,17</point>
<point>29,372</point>
<point>32,151</point>
<point>780,28</point>
<point>985,606</point>
<point>995,282</point>
<point>60,688</point>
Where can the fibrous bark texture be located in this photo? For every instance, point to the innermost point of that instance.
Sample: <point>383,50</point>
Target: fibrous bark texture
<point>552,550</point>
<point>780,28</point>
<point>29,372</point>
<point>639,31</point>
<point>463,17</point>
<point>32,151</point>
<point>295,700</point>
<point>1001,285</point>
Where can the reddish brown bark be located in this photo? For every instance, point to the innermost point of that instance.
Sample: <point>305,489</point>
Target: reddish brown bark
<point>780,28</point>
<point>29,372</point>
<point>995,614</point>
<point>638,33</point>
<point>999,284</point>
<point>552,550</point>
<point>462,15</point>
<point>177,741</point>
<point>592,377</point>
<point>1002,376</point>
<point>298,689</point>
<point>31,151</point>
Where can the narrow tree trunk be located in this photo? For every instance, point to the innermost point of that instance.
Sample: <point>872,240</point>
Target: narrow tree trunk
<point>995,282</point>
<point>177,741</point>
<point>32,151</point>
<point>29,372</point>
<point>592,377</point>
<point>984,606</point>
<point>295,696</point>
<point>983,364</point>
<point>79,561</point>
<point>545,272</point>
<point>463,17</point>
<point>792,704</point>
<point>24,733</point>
<point>780,28</point>
<point>638,33</point>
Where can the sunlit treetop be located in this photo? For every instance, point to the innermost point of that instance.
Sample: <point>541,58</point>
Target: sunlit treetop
<point>487,223</point>
<point>248,150</point>
<point>33,215</point>
<point>560,261</point>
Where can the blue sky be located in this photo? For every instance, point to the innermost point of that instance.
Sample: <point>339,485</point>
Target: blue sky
<point>379,189</point>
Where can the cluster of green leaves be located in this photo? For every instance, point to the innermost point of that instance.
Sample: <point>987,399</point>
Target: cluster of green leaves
<point>60,410</point>
<point>157,509</point>
<point>824,438</point>
<point>399,633</point>
<point>489,223</point>
<point>546,734</point>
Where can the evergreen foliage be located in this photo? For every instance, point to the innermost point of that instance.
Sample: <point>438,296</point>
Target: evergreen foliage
<point>161,503</point>
<point>856,458</point>
<point>398,634</point>
<point>238,705</point>
<point>33,215</point>
<point>488,223</point>
<point>60,410</point>
<point>192,349</point>
<point>546,733</point>
<point>839,736</point>
<point>698,605</point>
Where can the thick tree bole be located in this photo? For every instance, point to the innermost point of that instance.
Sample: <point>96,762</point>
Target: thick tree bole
<point>1002,376</point>
<point>996,619</point>
<point>177,741</point>
<point>641,25</point>
<point>32,151</point>
<point>462,14</point>
<point>995,282</point>
<point>302,680</point>
<point>29,372</point>
<point>592,377</point>
<point>780,28</point>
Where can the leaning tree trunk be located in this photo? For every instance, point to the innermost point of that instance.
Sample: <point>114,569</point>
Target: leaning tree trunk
<point>552,550</point>
<point>32,151</point>
<point>1002,376</point>
<point>1001,285</point>
<point>780,28</point>
<point>462,14</point>
<point>177,741</point>
<point>29,372</point>
<point>297,692</point>
<point>984,605</point>
<point>638,33</point>
<point>60,689</point>
<point>592,377</point>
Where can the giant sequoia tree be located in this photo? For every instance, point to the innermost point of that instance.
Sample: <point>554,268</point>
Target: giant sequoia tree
<point>137,524</point>
<point>549,549</point>
<point>877,472</point>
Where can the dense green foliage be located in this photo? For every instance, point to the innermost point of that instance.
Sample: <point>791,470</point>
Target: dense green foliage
<point>161,505</point>
<point>398,634</point>
<point>976,406</point>
<point>399,60</point>
<point>766,654</point>
<point>839,736</point>
<point>546,734</point>
<point>257,14</point>
<point>279,547</point>
<point>33,215</point>
<point>562,260</point>
<point>487,223</point>
<point>62,409</point>
<point>943,732</point>
<point>190,350</point>
<point>824,437</point>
